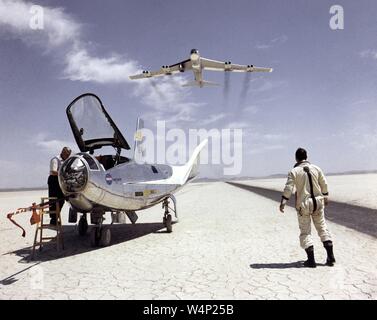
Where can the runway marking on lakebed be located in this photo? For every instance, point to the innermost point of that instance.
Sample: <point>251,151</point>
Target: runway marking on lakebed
<point>358,218</point>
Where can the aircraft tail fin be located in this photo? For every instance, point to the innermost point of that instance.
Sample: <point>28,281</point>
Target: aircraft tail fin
<point>187,172</point>
<point>139,149</point>
<point>200,84</point>
<point>191,169</point>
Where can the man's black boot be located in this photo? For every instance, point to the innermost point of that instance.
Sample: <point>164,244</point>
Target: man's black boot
<point>310,263</point>
<point>330,254</point>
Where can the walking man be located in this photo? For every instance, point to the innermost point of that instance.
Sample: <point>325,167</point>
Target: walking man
<point>311,198</point>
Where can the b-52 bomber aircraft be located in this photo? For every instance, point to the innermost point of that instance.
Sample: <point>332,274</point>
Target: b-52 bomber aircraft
<point>113,183</point>
<point>197,64</point>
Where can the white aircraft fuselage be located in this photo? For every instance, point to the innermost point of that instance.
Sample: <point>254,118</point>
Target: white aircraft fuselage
<point>197,67</point>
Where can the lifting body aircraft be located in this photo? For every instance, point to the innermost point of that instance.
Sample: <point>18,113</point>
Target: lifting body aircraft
<point>197,64</point>
<point>113,183</point>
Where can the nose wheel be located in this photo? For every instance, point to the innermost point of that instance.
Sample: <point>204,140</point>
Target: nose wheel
<point>83,226</point>
<point>168,220</point>
<point>105,237</point>
<point>100,236</point>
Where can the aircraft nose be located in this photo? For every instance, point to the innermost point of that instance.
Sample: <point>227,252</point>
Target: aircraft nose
<point>73,175</point>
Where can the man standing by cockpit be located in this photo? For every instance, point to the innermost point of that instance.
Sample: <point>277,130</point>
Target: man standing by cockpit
<point>54,190</point>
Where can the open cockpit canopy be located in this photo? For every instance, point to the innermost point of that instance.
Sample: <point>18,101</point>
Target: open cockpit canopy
<point>92,126</point>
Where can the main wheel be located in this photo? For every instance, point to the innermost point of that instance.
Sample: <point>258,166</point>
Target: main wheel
<point>83,226</point>
<point>168,223</point>
<point>95,236</point>
<point>105,237</point>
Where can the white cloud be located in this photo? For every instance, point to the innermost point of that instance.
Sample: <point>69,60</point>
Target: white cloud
<point>212,119</point>
<point>51,146</point>
<point>167,99</point>
<point>272,43</point>
<point>251,109</point>
<point>274,137</point>
<point>263,46</point>
<point>63,35</point>
<point>369,54</point>
<point>81,66</point>
<point>362,137</point>
<point>267,85</point>
<point>162,93</point>
<point>260,143</point>
<point>237,125</point>
<point>63,38</point>
<point>264,149</point>
<point>59,28</point>
<point>361,102</point>
<point>279,40</point>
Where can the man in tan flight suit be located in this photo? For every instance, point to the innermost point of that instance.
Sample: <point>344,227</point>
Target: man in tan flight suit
<point>311,198</point>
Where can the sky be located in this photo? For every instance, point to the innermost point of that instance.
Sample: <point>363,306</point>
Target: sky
<point>321,96</point>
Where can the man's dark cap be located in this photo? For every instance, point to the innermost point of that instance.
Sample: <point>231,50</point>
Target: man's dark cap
<point>301,154</point>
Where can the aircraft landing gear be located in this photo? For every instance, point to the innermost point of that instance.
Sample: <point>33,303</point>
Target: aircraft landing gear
<point>105,237</point>
<point>95,236</point>
<point>167,220</point>
<point>83,225</point>
<point>100,236</point>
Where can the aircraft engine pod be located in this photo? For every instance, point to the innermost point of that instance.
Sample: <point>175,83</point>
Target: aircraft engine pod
<point>147,73</point>
<point>194,55</point>
<point>73,175</point>
<point>166,70</point>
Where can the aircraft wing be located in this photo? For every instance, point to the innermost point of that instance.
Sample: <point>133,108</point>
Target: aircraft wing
<point>214,65</point>
<point>165,70</point>
<point>241,68</point>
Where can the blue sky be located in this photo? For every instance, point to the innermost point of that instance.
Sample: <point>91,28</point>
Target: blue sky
<point>322,94</point>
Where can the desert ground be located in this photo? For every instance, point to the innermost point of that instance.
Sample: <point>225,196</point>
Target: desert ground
<point>231,242</point>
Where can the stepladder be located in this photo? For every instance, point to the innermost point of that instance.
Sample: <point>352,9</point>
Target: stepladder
<point>40,237</point>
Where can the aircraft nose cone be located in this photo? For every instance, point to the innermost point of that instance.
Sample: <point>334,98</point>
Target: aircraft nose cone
<point>73,175</point>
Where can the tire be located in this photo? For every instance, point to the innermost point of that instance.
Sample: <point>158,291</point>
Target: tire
<point>95,237</point>
<point>105,237</point>
<point>168,224</point>
<point>83,226</point>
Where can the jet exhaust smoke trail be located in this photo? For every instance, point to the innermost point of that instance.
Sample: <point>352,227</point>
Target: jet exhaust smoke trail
<point>158,90</point>
<point>245,89</point>
<point>226,87</point>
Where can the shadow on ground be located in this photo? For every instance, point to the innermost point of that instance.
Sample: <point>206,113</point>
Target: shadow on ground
<point>289,265</point>
<point>75,244</point>
<point>11,279</point>
<point>354,217</point>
